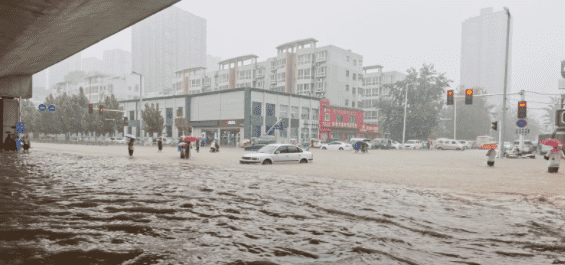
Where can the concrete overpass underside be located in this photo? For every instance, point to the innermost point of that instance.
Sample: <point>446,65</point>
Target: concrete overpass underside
<point>36,34</point>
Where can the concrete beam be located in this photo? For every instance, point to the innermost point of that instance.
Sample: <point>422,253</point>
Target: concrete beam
<point>16,86</point>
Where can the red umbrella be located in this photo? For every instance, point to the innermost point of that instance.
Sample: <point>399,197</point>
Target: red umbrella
<point>489,146</point>
<point>552,142</point>
<point>190,139</point>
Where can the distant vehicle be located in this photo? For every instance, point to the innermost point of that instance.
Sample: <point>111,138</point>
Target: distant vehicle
<point>74,139</point>
<point>382,143</point>
<point>119,140</point>
<point>528,146</point>
<point>278,153</point>
<point>329,140</point>
<point>507,145</point>
<point>413,144</point>
<point>483,140</point>
<point>369,143</point>
<point>317,143</point>
<point>542,148</point>
<point>259,143</point>
<point>337,146</point>
<point>467,144</point>
<point>449,144</point>
<point>396,145</point>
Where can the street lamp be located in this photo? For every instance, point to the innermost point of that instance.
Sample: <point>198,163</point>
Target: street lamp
<point>405,107</point>
<point>138,111</point>
<point>505,85</point>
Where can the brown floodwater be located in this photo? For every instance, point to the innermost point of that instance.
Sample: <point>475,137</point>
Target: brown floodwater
<point>58,208</point>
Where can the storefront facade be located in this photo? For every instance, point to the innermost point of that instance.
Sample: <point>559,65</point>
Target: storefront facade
<point>229,116</point>
<point>343,123</point>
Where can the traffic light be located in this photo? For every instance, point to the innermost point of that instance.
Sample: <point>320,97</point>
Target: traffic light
<point>449,97</point>
<point>90,109</point>
<point>495,125</point>
<point>101,110</point>
<point>468,96</point>
<point>563,69</point>
<point>125,121</point>
<point>522,109</point>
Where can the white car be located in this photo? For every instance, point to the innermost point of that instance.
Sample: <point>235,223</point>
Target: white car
<point>337,146</point>
<point>120,140</point>
<point>396,145</point>
<point>467,144</point>
<point>317,143</point>
<point>413,144</point>
<point>277,153</point>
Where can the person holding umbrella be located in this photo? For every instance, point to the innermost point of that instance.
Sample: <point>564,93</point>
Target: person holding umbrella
<point>491,153</point>
<point>555,155</point>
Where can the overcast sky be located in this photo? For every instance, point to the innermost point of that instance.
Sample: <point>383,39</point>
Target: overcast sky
<point>395,34</point>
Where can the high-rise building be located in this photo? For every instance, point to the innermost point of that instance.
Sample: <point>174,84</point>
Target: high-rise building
<point>91,65</point>
<point>166,42</point>
<point>483,53</point>
<point>58,71</point>
<point>117,62</point>
<point>212,63</point>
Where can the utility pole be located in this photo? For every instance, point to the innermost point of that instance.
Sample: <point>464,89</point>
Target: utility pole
<point>455,118</point>
<point>521,135</point>
<point>405,107</point>
<point>139,110</point>
<point>503,127</point>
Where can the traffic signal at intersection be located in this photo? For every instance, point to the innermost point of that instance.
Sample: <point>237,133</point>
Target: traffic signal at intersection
<point>90,109</point>
<point>449,97</point>
<point>468,96</point>
<point>495,125</point>
<point>522,109</point>
<point>101,110</point>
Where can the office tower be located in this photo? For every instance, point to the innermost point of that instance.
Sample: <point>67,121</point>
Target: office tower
<point>58,71</point>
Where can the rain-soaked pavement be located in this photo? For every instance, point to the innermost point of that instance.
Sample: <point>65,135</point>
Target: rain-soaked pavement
<point>58,208</point>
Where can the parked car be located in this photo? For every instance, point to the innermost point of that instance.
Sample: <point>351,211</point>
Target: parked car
<point>413,144</point>
<point>396,145</point>
<point>337,146</point>
<point>317,143</point>
<point>507,146</point>
<point>369,143</point>
<point>278,153</point>
<point>329,140</point>
<point>258,144</point>
<point>450,144</point>
<point>382,143</point>
<point>120,140</point>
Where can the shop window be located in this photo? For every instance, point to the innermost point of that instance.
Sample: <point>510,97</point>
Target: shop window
<point>256,108</point>
<point>305,113</point>
<point>267,128</point>
<point>270,109</point>
<point>294,113</point>
<point>179,112</point>
<point>294,133</point>
<point>339,118</point>
<point>315,114</point>
<point>327,118</point>
<point>169,131</point>
<point>256,131</point>
<point>284,111</point>
<point>352,119</point>
<point>169,117</point>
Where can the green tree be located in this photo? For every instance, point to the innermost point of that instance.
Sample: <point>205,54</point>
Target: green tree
<point>425,88</point>
<point>153,121</point>
<point>30,117</point>
<point>112,118</point>
<point>549,112</point>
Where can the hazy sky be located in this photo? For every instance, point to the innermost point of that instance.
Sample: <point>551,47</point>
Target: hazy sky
<point>395,34</point>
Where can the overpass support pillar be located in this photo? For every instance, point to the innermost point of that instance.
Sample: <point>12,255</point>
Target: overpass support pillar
<point>11,88</point>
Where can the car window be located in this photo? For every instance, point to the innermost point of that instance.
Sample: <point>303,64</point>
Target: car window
<point>453,142</point>
<point>293,149</point>
<point>282,149</point>
<point>516,142</point>
<point>269,149</point>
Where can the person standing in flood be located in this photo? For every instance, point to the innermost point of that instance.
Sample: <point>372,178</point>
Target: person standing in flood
<point>198,146</point>
<point>160,144</point>
<point>555,156</point>
<point>491,154</point>
<point>8,142</point>
<point>26,143</point>
<point>130,146</point>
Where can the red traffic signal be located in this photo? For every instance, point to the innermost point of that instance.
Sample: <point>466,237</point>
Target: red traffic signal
<point>449,97</point>
<point>90,109</point>
<point>468,96</point>
<point>522,106</point>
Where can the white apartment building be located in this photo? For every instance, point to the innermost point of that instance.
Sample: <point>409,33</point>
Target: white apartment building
<point>370,92</point>
<point>97,86</point>
<point>483,53</point>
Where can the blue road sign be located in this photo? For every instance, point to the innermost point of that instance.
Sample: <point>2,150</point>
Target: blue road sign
<point>521,123</point>
<point>51,108</point>
<point>42,107</point>
<point>20,127</point>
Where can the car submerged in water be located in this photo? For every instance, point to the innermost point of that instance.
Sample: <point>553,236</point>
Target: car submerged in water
<point>277,153</point>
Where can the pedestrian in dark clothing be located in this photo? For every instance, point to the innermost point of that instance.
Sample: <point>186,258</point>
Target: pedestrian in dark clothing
<point>160,145</point>
<point>197,146</point>
<point>26,143</point>
<point>188,146</point>
<point>7,141</point>
<point>130,146</point>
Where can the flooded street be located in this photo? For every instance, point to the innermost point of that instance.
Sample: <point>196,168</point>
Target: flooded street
<point>66,208</point>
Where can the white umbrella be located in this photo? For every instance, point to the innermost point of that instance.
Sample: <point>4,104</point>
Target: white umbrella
<point>129,136</point>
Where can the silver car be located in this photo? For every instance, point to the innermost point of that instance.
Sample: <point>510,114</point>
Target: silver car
<point>449,144</point>
<point>277,153</point>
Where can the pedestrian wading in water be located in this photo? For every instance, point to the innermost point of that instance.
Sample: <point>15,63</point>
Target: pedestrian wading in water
<point>491,154</point>
<point>130,146</point>
<point>555,156</point>
<point>160,145</point>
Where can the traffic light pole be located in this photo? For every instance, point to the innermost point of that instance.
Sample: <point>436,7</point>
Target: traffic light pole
<point>505,85</point>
